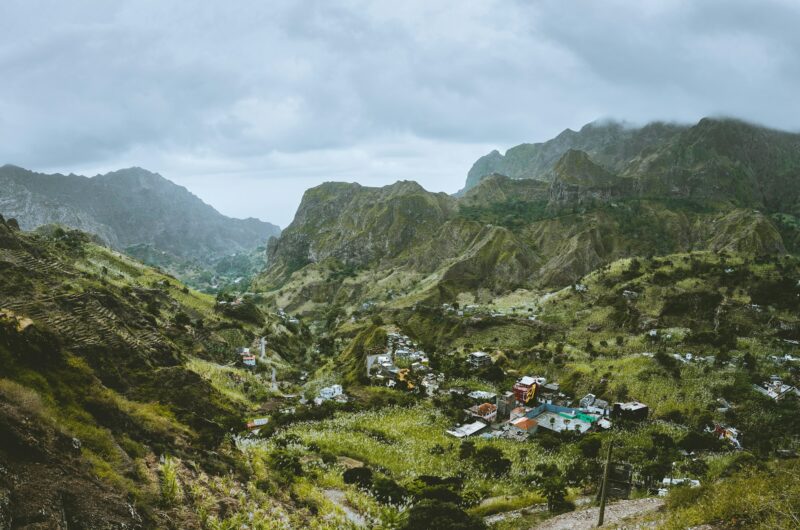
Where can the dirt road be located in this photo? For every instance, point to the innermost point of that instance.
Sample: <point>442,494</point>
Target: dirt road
<point>338,498</point>
<point>587,519</point>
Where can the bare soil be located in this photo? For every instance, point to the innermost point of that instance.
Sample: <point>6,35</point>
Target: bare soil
<point>615,514</point>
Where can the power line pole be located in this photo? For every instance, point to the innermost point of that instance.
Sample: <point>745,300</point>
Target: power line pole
<point>604,487</point>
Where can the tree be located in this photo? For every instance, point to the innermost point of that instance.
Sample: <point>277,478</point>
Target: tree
<point>388,491</point>
<point>550,482</point>
<point>697,441</point>
<point>466,450</point>
<point>360,476</point>
<point>590,446</point>
<point>428,514</point>
<point>492,461</point>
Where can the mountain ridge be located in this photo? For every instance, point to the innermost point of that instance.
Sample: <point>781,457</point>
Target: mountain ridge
<point>129,207</point>
<point>608,141</point>
<point>712,186</point>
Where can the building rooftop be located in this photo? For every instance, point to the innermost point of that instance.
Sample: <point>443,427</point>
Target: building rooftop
<point>468,429</point>
<point>525,424</point>
<point>486,408</point>
<point>632,405</point>
<point>481,394</point>
<point>559,422</point>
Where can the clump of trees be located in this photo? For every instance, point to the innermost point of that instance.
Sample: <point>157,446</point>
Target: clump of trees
<point>552,484</point>
<point>436,502</point>
<point>489,459</point>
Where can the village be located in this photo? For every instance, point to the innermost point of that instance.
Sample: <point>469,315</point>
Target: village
<point>531,404</point>
<point>516,414</point>
<point>534,403</point>
<point>403,366</point>
<point>530,407</point>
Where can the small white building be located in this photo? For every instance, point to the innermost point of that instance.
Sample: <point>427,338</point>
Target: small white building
<point>482,395</point>
<point>330,392</point>
<point>670,482</point>
<point>776,389</point>
<point>467,430</point>
<point>478,359</point>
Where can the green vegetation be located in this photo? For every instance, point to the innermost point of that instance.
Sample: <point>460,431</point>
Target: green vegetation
<point>624,276</point>
<point>754,497</point>
<point>171,492</point>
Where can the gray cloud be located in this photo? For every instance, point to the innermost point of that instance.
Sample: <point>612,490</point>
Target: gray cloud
<point>250,103</point>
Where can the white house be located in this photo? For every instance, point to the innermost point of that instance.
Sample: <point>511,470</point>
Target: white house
<point>468,429</point>
<point>330,392</point>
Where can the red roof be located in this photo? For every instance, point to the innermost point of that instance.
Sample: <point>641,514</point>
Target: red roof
<point>525,424</point>
<point>486,409</point>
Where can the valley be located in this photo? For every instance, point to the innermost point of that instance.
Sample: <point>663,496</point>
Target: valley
<point>397,358</point>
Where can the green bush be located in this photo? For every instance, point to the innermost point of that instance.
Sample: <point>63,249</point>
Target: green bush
<point>171,492</point>
<point>428,514</point>
<point>360,476</point>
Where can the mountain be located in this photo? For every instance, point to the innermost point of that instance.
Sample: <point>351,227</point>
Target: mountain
<point>670,277</point>
<point>719,185</point>
<point>130,209</point>
<point>610,143</point>
<point>722,159</point>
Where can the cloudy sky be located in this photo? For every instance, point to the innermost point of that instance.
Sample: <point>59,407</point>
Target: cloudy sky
<point>249,103</point>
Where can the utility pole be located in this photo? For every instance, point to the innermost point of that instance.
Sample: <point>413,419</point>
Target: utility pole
<point>604,487</point>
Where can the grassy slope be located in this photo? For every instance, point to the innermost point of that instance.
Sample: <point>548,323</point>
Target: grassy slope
<point>93,348</point>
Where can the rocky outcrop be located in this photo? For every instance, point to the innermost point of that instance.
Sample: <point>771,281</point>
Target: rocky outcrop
<point>359,226</point>
<point>577,180</point>
<point>44,482</point>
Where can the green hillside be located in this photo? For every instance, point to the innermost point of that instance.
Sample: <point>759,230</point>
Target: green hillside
<point>114,379</point>
<point>653,265</point>
<point>712,187</point>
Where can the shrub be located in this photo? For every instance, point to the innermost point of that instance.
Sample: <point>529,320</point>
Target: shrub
<point>327,457</point>
<point>286,464</point>
<point>171,492</point>
<point>388,491</point>
<point>25,398</point>
<point>428,514</point>
<point>492,461</point>
<point>182,319</point>
<point>360,476</point>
